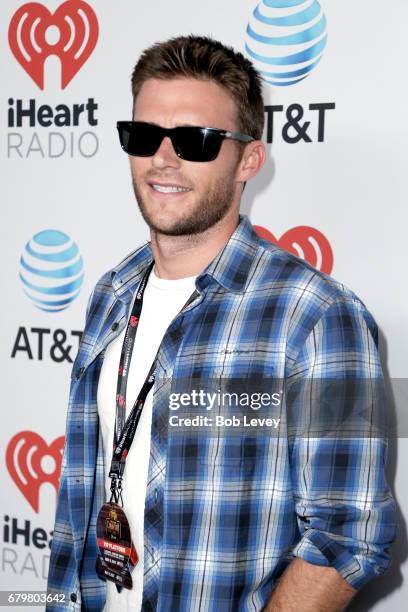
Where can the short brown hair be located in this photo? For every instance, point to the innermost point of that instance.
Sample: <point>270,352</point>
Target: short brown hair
<point>203,58</point>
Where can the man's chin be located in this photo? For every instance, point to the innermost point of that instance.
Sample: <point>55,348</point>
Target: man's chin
<point>200,217</point>
<point>164,221</point>
<point>167,227</point>
<point>184,228</point>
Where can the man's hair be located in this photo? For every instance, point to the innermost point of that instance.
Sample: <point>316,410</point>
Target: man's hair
<point>203,58</point>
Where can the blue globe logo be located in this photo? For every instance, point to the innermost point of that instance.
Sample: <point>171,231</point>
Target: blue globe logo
<point>285,39</point>
<point>51,270</point>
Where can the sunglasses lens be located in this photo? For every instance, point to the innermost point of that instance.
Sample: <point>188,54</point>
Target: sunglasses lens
<point>190,143</point>
<point>197,144</point>
<point>140,139</point>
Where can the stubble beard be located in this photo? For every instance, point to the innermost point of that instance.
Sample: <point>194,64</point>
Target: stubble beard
<point>208,211</point>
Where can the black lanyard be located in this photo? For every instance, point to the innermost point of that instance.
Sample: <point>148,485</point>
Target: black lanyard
<point>125,428</point>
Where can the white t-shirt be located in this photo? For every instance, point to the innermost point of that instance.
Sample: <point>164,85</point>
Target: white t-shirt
<point>162,301</point>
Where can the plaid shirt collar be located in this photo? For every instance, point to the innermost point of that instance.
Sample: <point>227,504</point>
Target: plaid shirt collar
<point>229,268</point>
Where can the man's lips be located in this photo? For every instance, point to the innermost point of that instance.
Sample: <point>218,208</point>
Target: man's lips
<point>168,189</point>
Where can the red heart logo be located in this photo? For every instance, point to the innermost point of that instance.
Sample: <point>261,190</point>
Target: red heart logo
<point>24,456</point>
<point>78,30</point>
<point>303,241</point>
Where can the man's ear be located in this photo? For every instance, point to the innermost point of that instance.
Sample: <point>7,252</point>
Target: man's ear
<point>253,158</point>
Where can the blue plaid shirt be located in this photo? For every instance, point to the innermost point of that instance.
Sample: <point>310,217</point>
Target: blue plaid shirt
<point>226,514</point>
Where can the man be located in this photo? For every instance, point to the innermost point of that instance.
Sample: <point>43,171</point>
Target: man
<point>215,518</point>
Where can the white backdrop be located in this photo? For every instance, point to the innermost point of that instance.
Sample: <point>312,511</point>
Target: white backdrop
<point>75,180</point>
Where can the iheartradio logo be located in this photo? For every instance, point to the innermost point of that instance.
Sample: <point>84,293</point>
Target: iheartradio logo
<point>305,242</point>
<point>71,34</point>
<point>31,462</point>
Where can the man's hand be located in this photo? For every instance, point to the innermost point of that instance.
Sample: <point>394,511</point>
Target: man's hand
<point>310,588</point>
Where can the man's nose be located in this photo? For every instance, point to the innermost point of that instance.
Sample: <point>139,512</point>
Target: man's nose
<point>166,155</point>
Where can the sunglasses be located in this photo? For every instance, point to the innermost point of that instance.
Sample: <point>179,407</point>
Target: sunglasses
<point>191,143</point>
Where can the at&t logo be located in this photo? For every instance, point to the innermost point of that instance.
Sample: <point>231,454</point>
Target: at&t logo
<point>285,39</point>
<point>51,270</point>
<point>70,33</point>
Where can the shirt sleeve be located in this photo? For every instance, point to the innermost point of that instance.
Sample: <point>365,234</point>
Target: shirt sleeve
<point>63,576</point>
<point>338,448</point>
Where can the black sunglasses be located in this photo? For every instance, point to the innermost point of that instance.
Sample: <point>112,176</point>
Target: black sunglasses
<point>191,143</point>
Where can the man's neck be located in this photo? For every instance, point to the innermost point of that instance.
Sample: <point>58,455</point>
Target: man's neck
<point>183,256</point>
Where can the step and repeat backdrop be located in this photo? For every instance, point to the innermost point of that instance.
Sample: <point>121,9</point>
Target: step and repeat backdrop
<point>333,191</point>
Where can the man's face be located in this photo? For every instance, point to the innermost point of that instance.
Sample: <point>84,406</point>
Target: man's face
<point>211,186</point>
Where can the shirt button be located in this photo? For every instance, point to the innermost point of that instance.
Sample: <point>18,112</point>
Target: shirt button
<point>115,326</point>
<point>79,372</point>
<point>156,495</point>
<point>73,597</point>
